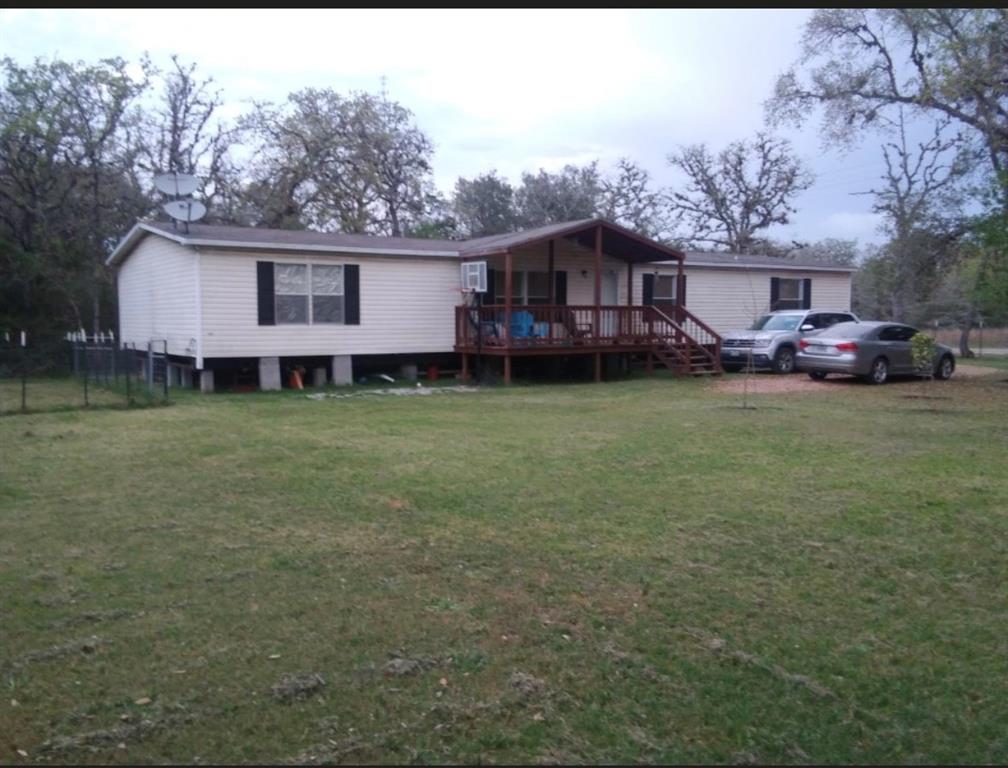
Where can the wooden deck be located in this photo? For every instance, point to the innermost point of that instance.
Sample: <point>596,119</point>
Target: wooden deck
<point>680,341</point>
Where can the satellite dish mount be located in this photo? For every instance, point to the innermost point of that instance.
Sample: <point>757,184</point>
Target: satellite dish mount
<point>182,208</point>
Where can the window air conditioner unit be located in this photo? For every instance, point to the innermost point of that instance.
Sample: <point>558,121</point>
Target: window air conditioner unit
<point>474,277</point>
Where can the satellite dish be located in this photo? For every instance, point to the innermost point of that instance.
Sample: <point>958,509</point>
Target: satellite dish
<point>185,210</point>
<point>177,184</point>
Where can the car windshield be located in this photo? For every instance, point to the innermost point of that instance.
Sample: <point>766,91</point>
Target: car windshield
<point>776,323</point>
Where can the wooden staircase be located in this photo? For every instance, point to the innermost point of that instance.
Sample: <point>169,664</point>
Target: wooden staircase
<point>688,346</point>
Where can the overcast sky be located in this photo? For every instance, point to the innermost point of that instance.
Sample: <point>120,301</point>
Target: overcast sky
<point>508,90</point>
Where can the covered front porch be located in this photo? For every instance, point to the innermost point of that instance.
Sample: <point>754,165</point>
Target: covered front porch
<point>582,288</point>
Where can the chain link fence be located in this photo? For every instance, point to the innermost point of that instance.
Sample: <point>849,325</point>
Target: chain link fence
<point>39,373</point>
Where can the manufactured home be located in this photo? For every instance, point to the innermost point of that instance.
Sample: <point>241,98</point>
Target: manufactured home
<point>240,306</point>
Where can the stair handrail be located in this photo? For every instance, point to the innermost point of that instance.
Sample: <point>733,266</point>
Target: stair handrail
<point>715,359</point>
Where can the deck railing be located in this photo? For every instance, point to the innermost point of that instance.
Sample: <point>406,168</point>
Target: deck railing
<point>551,324</point>
<point>548,325</point>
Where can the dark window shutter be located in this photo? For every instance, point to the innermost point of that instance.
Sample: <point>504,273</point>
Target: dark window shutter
<point>681,295</point>
<point>648,289</point>
<point>774,292</point>
<point>491,295</point>
<point>264,289</point>
<point>560,287</point>
<point>807,293</point>
<point>351,294</point>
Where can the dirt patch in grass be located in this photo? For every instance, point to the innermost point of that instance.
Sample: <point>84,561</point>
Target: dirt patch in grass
<point>119,735</point>
<point>86,647</point>
<point>297,687</point>
<point>718,646</point>
<point>799,383</point>
<point>94,617</point>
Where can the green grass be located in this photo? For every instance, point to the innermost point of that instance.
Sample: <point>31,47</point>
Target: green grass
<point>821,579</point>
<point>988,361</point>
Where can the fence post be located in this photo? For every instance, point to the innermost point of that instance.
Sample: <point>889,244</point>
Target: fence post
<point>165,371</point>
<point>129,392</point>
<point>87,372</point>
<point>24,374</point>
<point>150,367</point>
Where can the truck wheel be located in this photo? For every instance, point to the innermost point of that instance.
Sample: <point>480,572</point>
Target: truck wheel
<point>731,367</point>
<point>817,375</point>
<point>783,361</point>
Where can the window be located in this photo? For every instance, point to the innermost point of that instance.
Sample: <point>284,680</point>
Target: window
<point>327,293</point>
<point>291,285</point>
<point>295,304</point>
<point>526,287</point>
<point>665,288</point>
<point>897,333</point>
<point>790,294</point>
<point>537,288</point>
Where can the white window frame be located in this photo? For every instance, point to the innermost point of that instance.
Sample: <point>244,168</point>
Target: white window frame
<point>310,317</point>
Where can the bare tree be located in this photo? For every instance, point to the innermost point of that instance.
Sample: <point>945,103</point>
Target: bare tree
<point>629,199</point>
<point>921,201</point>
<point>183,134</point>
<point>861,64</point>
<point>353,164</point>
<point>731,197</point>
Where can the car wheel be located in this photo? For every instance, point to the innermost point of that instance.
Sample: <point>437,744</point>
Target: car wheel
<point>728,368</point>
<point>817,375</point>
<point>879,373</point>
<point>946,366</point>
<point>783,361</point>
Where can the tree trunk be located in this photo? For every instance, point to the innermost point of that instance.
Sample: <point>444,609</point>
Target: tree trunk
<point>964,333</point>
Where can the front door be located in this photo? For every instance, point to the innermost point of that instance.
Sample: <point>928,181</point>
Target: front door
<point>610,298</point>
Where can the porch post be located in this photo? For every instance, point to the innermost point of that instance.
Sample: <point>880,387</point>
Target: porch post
<point>679,292</point>
<point>552,283</point>
<point>628,325</point>
<point>465,367</point>
<point>598,367</point>
<point>508,263</point>
<point>598,280</point>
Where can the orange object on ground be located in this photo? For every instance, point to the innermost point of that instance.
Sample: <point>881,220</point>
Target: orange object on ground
<point>295,380</point>
<point>432,373</point>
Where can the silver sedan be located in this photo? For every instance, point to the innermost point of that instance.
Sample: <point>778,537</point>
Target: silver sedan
<point>874,351</point>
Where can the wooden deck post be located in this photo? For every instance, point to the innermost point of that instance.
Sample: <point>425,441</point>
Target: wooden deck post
<point>507,369</point>
<point>465,367</point>
<point>508,290</point>
<point>598,367</point>
<point>597,329</point>
<point>552,271</point>
<point>679,291</point>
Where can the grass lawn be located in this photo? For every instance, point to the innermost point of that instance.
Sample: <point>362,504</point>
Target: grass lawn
<point>987,361</point>
<point>626,572</point>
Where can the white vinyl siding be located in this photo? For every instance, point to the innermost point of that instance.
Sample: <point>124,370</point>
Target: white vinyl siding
<point>407,304</point>
<point>158,296</point>
<point>731,298</point>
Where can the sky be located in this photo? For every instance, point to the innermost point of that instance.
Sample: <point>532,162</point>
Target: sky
<point>507,90</point>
